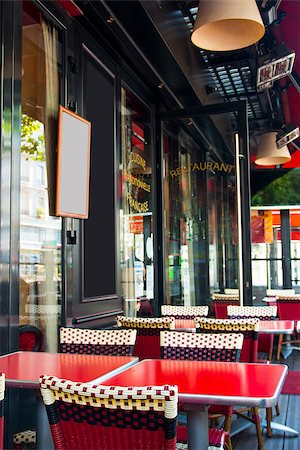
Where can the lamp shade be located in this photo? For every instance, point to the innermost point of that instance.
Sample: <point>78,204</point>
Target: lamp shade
<point>223,25</point>
<point>268,154</point>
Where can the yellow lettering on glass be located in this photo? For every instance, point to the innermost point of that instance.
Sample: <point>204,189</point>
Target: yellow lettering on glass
<point>137,182</point>
<point>202,166</point>
<point>137,206</point>
<point>136,158</point>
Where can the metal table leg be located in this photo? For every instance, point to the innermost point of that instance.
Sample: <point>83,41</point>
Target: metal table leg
<point>197,427</point>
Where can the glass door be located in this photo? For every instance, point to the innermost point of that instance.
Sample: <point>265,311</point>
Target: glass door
<point>205,155</point>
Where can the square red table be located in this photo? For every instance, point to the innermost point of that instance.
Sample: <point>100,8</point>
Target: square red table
<point>202,383</point>
<point>22,370</point>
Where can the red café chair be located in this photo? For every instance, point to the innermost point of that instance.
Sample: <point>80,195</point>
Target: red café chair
<point>289,309</point>
<point>184,312</point>
<point>85,416</point>
<point>82,415</point>
<point>249,328</point>
<point>148,330</point>
<point>221,301</point>
<point>97,342</point>
<point>265,341</point>
<point>30,338</point>
<point>204,347</point>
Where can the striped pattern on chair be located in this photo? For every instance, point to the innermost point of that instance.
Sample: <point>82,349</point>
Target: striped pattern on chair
<point>148,331</point>
<point>82,415</point>
<point>97,342</point>
<point>184,312</point>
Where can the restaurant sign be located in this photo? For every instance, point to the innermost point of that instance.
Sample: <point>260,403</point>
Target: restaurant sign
<point>202,167</point>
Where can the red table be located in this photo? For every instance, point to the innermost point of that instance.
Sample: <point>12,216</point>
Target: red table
<point>276,326</point>
<point>202,383</point>
<point>185,325</point>
<point>22,370</point>
<point>265,326</point>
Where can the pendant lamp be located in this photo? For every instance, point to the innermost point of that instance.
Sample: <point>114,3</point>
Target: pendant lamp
<point>224,25</point>
<point>268,154</point>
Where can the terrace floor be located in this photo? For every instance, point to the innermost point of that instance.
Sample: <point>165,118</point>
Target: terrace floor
<point>289,415</point>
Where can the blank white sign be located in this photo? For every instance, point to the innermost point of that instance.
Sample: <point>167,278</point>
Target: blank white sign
<point>73,165</point>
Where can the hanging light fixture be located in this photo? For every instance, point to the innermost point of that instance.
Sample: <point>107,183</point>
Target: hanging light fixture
<point>224,25</point>
<point>268,154</point>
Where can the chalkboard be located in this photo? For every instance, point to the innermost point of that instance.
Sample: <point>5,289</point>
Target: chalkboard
<point>73,165</point>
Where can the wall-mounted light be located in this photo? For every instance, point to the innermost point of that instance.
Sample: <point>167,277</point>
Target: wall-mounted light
<point>224,25</point>
<point>268,154</point>
<point>274,65</point>
<point>287,135</point>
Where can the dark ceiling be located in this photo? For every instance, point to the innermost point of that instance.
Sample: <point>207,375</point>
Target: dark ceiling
<point>231,76</point>
<point>161,31</point>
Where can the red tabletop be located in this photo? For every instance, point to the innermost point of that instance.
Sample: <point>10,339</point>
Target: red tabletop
<point>265,326</point>
<point>185,324</point>
<point>210,382</point>
<point>276,326</point>
<point>22,369</point>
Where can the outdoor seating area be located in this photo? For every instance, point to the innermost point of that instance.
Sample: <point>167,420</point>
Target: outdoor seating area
<point>150,225</point>
<point>177,372</point>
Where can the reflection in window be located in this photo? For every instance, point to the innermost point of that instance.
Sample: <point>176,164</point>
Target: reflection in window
<point>185,221</point>
<point>40,234</point>
<point>136,207</point>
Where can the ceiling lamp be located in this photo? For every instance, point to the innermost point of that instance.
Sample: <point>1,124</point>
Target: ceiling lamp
<point>224,25</point>
<point>268,154</point>
<point>274,65</point>
<point>287,135</point>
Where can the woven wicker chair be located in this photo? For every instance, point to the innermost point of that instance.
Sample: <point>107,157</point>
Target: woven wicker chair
<point>204,347</point>
<point>2,392</point>
<point>221,301</point>
<point>289,309</point>
<point>88,416</point>
<point>231,291</point>
<point>184,312</point>
<point>97,342</point>
<point>95,417</point>
<point>200,347</point>
<point>249,328</point>
<point>148,331</point>
<point>265,341</point>
<point>275,292</point>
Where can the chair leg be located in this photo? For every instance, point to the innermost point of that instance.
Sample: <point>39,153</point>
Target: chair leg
<point>277,409</point>
<point>280,339</point>
<point>256,421</point>
<point>226,427</point>
<point>269,420</point>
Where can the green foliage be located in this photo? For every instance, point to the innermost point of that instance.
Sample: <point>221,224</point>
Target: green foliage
<point>32,138</point>
<point>285,190</point>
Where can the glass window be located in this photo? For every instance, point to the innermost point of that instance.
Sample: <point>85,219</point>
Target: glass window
<point>200,218</point>
<point>136,206</point>
<point>185,218</point>
<point>40,234</point>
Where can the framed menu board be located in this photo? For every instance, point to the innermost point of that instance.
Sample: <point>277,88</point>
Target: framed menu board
<point>73,165</point>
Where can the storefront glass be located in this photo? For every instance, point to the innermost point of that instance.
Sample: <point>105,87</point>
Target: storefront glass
<point>40,232</point>
<point>200,218</point>
<point>136,203</point>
